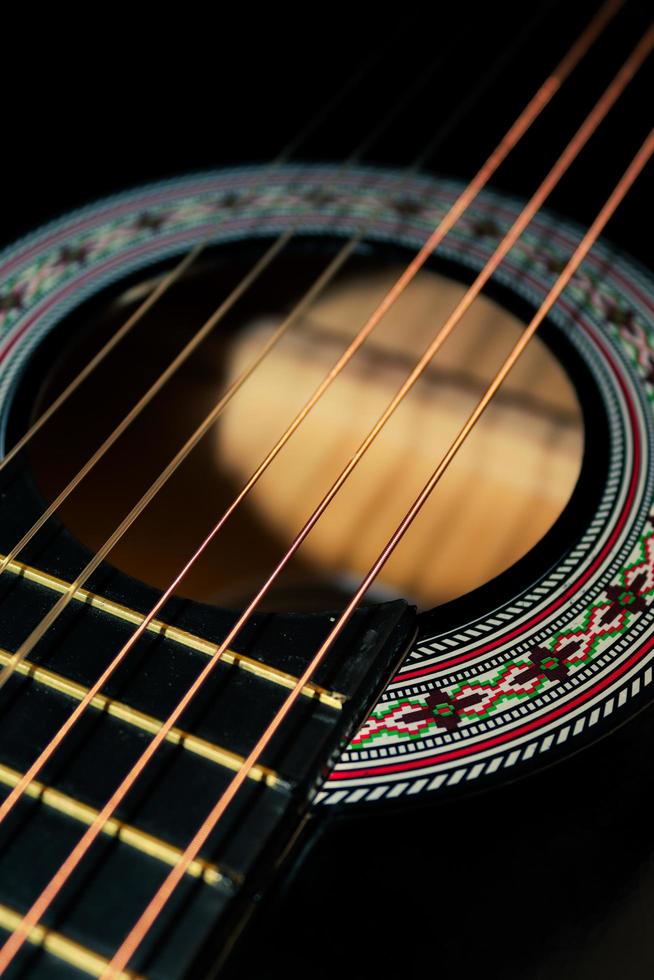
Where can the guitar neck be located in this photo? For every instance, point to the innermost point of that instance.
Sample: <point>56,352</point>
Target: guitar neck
<point>196,763</point>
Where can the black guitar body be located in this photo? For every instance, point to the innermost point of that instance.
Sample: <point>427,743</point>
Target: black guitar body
<point>538,867</point>
<point>551,877</point>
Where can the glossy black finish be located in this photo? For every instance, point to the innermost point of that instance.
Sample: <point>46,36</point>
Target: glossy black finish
<point>549,877</point>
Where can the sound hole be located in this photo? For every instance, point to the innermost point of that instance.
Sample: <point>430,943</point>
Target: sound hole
<point>502,493</point>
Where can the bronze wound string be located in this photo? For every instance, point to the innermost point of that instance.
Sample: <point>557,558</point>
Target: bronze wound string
<point>59,879</point>
<point>534,107</point>
<point>156,905</point>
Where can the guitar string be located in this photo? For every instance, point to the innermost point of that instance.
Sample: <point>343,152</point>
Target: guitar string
<point>57,882</point>
<point>187,260</point>
<point>39,631</point>
<point>155,907</point>
<point>219,314</point>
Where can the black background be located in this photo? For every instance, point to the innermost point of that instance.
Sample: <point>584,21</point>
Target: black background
<point>97,103</point>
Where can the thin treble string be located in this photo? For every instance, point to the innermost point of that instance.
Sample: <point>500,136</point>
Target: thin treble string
<point>190,258</point>
<point>156,905</point>
<point>57,882</point>
<point>317,120</point>
<point>42,627</point>
<point>160,290</point>
<point>249,279</point>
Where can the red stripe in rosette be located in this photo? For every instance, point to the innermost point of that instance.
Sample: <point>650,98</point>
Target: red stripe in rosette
<point>507,736</point>
<point>89,276</point>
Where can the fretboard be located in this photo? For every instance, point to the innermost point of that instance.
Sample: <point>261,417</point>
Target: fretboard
<point>138,846</point>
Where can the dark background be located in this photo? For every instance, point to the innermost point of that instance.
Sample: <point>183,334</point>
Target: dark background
<point>100,100</point>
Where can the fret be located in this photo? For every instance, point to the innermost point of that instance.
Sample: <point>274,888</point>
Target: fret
<point>331,698</point>
<point>139,840</point>
<point>139,719</point>
<point>67,950</point>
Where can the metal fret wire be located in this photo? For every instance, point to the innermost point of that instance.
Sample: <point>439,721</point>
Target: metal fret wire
<point>128,834</point>
<point>134,717</point>
<point>182,637</point>
<point>543,96</point>
<point>65,949</point>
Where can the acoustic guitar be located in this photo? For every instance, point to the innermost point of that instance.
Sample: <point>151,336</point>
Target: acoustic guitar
<point>326,497</point>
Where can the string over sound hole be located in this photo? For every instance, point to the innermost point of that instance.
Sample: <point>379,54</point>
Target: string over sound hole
<point>501,495</point>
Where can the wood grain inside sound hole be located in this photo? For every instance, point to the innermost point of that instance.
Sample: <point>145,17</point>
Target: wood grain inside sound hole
<point>502,493</point>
